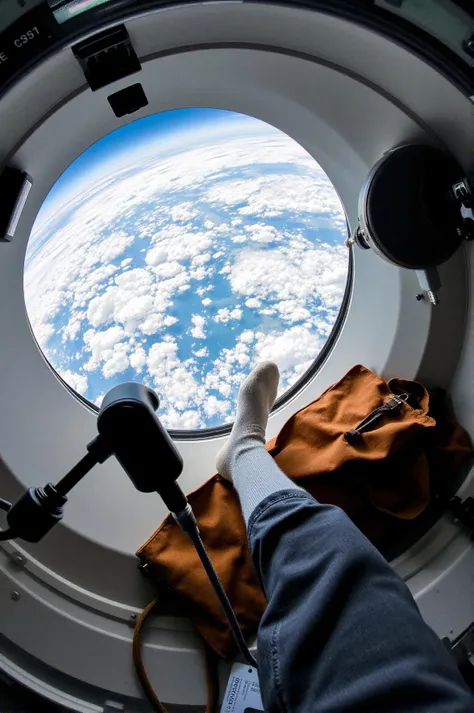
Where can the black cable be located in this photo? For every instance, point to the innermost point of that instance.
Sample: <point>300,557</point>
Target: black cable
<point>188,524</point>
<point>223,598</point>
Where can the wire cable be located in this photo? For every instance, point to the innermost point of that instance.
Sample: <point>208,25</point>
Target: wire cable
<point>187,521</point>
<point>211,667</point>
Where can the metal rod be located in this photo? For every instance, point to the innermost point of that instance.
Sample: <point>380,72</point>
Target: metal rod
<point>76,474</point>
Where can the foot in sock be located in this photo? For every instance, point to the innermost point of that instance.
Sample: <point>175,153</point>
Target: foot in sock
<point>256,398</point>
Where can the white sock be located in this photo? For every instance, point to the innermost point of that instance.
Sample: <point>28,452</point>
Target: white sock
<point>256,398</point>
<point>244,458</point>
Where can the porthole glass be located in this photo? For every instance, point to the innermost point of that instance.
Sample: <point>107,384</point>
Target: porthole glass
<point>179,251</point>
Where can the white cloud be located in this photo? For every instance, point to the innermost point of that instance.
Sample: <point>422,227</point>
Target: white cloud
<point>117,362</point>
<point>134,309</point>
<point>168,269</point>
<point>201,259</point>
<point>215,406</point>
<point>290,349</point>
<point>225,314</point>
<point>199,273</point>
<point>277,193</point>
<point>292,311</point>
<point>201,353</point>
<point>113,246</point>
<point>101,309</point>
<point>43,332</point>
<point>224,388</point>
<point>156,255</point>
<point>162,357</point>
<point>183,421</point>
<point>100,342</point>
<point>182,212</point>
<point>262,233</point>
<point>78,382</point>
<point>247,336</point>
<point>138,359</point>
<point>152,324</point>
<point>252,302</point>
<point>290,278</point>
<point>199,322</point>
<point>72,328</point>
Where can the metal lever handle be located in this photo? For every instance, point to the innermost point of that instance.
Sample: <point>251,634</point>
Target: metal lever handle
<point>393,404</point>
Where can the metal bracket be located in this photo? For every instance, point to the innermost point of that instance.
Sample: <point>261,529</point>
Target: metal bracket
<point>15,186</point>
<point>430,282</point>
<point>463,511</point>
<point>462,651</point>
<point>107,57</point>
<point>463,647</point>
<point>462,192</point>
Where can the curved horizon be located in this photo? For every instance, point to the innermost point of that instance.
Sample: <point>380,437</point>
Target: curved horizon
<point>129,144</point>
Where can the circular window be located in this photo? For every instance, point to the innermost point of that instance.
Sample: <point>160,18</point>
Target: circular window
<point>179,251</point>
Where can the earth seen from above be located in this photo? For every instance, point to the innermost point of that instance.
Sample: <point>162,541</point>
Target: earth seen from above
<point>181,250</point>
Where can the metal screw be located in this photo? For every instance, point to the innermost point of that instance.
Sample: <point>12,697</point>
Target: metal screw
<point>420,296</point>
<point>133,619</point>
<point>15,596</point>
<point>19,560</point>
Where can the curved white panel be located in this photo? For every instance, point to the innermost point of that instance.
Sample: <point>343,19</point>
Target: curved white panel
<point>326,91</point>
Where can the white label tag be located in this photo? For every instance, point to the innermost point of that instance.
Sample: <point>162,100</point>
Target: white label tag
<point>242,694</point>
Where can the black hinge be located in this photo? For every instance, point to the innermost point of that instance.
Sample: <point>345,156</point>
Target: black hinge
<point>462,649</point>
<point>15,186</point>
<point>463,510</point>
<point>107,57</point>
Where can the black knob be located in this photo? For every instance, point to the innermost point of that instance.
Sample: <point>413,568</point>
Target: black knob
<point>36,512</point>
<point>132,432</point>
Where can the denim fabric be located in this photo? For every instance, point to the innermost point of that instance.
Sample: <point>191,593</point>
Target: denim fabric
<point>341,632</point>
